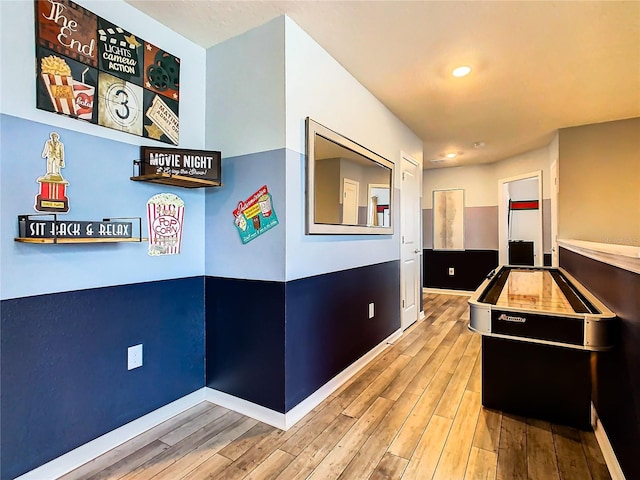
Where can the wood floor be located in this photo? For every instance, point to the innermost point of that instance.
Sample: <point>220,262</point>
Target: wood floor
<point>413,413</point>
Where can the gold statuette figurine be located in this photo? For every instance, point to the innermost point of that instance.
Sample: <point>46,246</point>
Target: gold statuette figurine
<point>52,196</point>
<point>54,153</point>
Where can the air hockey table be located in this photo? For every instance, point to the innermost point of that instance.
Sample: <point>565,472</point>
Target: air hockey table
<point>541,334</point>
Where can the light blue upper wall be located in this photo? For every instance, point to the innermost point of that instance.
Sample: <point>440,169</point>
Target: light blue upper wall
<point>245,120</point>
<point>98,167</point>
<point>319,87</point>
<point>98,172</point>
<point>263,257</point>
<point>261,86</point>
<point>245,92</point>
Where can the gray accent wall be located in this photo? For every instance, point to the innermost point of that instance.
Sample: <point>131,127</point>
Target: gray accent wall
<point>599,174</point>
<point>427,228</point>
<point>480,228</point>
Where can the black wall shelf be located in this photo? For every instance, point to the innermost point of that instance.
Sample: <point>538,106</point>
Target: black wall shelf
<point>176,180</point>
<point>34,231</point>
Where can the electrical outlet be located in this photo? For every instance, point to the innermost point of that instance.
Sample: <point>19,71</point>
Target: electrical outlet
<point>134,357</point>
<point>371,310</point>
<point>452,271</point>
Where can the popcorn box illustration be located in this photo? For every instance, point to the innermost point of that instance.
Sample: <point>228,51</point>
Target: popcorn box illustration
<point>265,205</point>
<point>165,217</point>
<point>56,76</point>
<point>241,221</point>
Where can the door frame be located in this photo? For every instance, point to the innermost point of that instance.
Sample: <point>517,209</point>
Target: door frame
<point>370,212</point>
<point>503,236</point>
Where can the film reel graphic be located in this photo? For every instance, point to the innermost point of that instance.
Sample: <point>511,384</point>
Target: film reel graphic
<point>164,73</point>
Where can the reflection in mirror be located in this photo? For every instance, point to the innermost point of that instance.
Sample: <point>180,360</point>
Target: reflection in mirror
<point>378,209</point>
<point>348,187</point>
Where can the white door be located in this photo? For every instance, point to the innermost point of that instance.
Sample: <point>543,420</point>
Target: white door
<point>411,246</point>
<point>350,192</point>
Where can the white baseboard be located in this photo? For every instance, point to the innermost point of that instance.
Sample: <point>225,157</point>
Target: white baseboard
<point>284,421</point>
<point>446,291</point>
<point>84,453</point>
<point>253,410</point>
<point>605,446</point>
<point>313,400</point>
<point>87,452</point>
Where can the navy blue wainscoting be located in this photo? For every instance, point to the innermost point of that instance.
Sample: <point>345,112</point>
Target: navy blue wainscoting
<point>328,326</point>
<point>617,387</point>
<point>64,363</point>
<point>470,268</point>
<point>275,343</point>
<point>245,339</point>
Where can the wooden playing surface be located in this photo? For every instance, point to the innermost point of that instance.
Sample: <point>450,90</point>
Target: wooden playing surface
<point>533,290</point>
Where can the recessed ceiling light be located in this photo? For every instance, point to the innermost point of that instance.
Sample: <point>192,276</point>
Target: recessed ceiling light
<point>479,144</point>
<point>451,155</point>
<point>461,71</point>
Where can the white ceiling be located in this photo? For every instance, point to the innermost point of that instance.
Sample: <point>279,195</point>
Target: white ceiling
<point>537,66</point>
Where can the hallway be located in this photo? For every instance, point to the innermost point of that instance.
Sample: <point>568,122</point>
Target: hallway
<point>413,413</point>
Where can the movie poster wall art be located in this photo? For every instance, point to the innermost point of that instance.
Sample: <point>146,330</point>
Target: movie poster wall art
<point>91,69</point>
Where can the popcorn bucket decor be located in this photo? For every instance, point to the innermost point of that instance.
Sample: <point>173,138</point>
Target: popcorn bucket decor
<point>165,217</point>
<point>56,76</point>
<point>265,205</point>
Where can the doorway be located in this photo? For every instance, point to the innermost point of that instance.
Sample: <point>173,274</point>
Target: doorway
<point>520,219</point>
<point>379,202</point>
